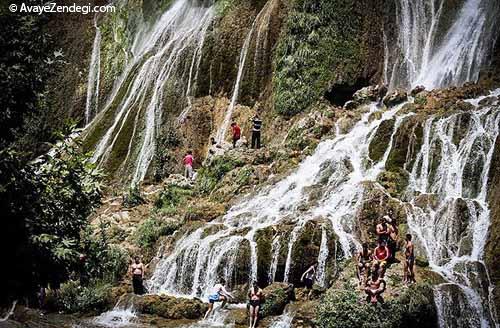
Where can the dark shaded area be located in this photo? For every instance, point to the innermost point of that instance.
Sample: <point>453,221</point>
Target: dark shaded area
<point>339,94</point>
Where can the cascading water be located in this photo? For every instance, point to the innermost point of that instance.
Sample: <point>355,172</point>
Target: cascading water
<point>131,121</point>
<point>453,233</point>
<point>201,257</point>
<point>92,104</point>
<point>433,54</point>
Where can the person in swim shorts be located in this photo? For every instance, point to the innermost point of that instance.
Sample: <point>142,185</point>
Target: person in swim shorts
<point>219,294</point>
<point>255,296</point>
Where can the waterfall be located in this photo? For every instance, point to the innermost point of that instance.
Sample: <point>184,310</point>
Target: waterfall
<point>202,256</point>
<point>432,54</point>
<point>322,257</point>
<point>132,118</point>
<point>454,233</point>
<point>275,251</point>
<point>284,320</point>
<point>92,104</point>
<point>241,67</point>
<point>260,22</point>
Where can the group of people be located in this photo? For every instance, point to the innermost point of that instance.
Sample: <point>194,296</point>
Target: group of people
<point>220,294</point>
<point>371,265</point>
<point>188,159</point>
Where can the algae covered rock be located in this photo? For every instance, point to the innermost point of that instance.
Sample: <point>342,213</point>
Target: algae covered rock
<point>277,296</point>
<point>396,97</point>
<point>170,307</point>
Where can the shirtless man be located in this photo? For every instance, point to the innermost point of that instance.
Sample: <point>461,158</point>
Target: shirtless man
<point>137,270</point>
<point>375,286</point>
<point>255,296</point>
<point>365,258</point>
<point>219,294</point>
<point>308,278</point>
<point>383,229</point>
<point>380,256</point>
<point>409,274</point>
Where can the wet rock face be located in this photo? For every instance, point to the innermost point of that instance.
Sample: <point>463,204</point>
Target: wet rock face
<point>170,307</point>
<point>277,296</point>
<point>395,97</point>
<point>491,256</point>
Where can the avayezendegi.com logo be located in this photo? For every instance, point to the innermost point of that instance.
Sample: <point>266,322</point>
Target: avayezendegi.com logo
<point>52,7</point>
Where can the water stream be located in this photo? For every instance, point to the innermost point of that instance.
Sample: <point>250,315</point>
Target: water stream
<point>92,103</point>
<point>434,53</point>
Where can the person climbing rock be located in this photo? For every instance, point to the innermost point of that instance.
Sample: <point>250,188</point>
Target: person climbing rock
<point>137,270</point>
<point>308,278</point>
<point>255,296</point>
<point>236,133</point>
<point>256,128</point>
<point>365,259</point>
<point>374,288</point>
<point>408,273</point>
<point>219,294</point>
<point>188,164</point>
<point>380,257</point>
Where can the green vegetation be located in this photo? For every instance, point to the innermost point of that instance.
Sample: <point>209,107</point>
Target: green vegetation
<point>152,229</point>
<point>210,175</point>
<point>75,298</point>
<point>345,309</point>
<point>320,38</point>
<point>133,198</point>
<point>170,198</point>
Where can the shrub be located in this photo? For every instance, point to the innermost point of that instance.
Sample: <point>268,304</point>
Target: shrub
<point>74,298</point>
<point>209,176</point>
<point>170,198</point>
<point>133,198</point>
<point>152,229</point>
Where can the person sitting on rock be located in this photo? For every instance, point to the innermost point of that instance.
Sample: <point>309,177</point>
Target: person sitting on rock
<point>188,164</point>
<point>219,294</point>
<point>374,287</point>
<point>380,256</point>
<point>255,296</point>
<point>408,273</point>
<point>365,258</point>
<point>308,278</point>
<point>236,133</point>
<point>137,270</point>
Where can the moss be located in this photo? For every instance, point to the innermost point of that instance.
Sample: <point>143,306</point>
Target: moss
<point>264,239</point>
<point>380,141</point>
<point>395,182</point>
<point>210,175</point>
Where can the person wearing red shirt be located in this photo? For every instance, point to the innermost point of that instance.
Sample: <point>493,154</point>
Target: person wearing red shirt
<point>188,164</point>
<point>380,256</point>
<point>236,133</point>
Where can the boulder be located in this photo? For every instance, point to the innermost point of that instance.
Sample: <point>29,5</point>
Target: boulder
<point>170,307</point>
<point>350,105</point>
<point>204,210</point>
<point>418,89</point>
<point>421,261</point>
<point>396,97</point>
<point>277,296</point>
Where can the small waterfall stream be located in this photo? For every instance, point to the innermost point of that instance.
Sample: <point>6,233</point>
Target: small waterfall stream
<point>435,55</point>
<point>92,103</point>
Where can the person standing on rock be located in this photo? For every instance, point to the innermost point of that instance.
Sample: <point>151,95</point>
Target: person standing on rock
<point>188,165</point>
<point>382,229</point>
<point>255,296</point>
<point>219,294</point>
<point>137,270</point>
<point>308,278</point>
<point>409,274</point>
<point>236,133</point>
<point>365,259</point>
<point>375,286</point>
<point>256,127</point>
<point>392,241</point>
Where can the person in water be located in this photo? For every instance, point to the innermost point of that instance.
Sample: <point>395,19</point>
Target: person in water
<point>408,273</point>
<point>219,294</point>
<point>308,278</point>
<point>256,128</point>
<point>188,164</point>
<point>374,287</point>
<point>381,255</point>
<point>137,270</point>
<point>255,296</point>
<point>236,133</point>
<point>365,259</point>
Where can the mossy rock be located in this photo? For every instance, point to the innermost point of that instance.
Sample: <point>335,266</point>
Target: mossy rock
<point>421,261</point>
<point>380,141</point>
<point>170,307</point>
<point>277,296</point>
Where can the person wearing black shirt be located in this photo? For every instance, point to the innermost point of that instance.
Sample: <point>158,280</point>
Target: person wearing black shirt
<point>257,125</point>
